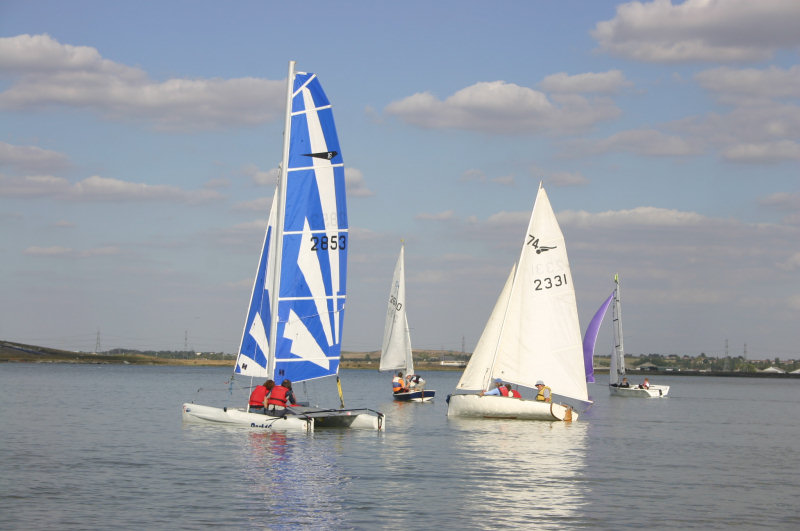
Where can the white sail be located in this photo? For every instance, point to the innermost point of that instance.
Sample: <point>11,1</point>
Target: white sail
<point>476,375</point>
<point>396,348</point>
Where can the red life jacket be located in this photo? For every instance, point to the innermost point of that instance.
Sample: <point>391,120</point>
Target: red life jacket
<point>257,396</point>
<point>514,394</point>
<point>278,396</point>
<point>503,390</point>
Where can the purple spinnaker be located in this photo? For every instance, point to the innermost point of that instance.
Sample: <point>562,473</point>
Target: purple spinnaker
<point>591,338</point>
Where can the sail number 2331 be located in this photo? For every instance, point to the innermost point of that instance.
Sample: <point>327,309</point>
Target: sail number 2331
<point>540,284</point>
<point>333,243</point>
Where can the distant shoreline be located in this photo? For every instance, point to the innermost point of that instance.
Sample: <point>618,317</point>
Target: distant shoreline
<point>19,353</point>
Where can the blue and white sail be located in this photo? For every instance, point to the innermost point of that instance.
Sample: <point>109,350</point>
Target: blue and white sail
<point>297,334</point>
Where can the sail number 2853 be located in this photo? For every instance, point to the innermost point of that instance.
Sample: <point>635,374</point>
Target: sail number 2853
<point>540,284</point>
<point>336,242</point>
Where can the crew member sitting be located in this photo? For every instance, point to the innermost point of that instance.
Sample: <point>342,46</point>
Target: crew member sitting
<point>279,397</point>
<point>544,392</point>
<point>513,393</point>
<point>398,384</point>
<point>499,389</point>
<point>258,398</point>
<point>416,382</point>
<point>645,385</point>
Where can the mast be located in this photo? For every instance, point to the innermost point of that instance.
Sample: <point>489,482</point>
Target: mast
<point>277,240</point>
<point>619,350</point>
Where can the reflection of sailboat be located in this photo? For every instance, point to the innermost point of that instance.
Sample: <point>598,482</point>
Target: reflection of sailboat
<point>396,349</point>
<point>532,334</point>
<point>294,323</point>
<point>618,385</point>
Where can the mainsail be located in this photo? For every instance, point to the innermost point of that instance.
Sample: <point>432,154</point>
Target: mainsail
<point>294,323</point>
<point>396,348</point>
<point>533,333</point>
<point>616,370</point>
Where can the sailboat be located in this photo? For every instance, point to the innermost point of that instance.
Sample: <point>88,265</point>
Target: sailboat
<point>293,328</point>
<point>396,348</point>
<point>616,371</point>
<point>532,334</point>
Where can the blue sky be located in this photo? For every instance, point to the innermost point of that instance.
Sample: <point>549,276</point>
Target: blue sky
<point>139,143</point>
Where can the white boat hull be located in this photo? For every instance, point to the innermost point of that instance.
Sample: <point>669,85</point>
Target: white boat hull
<point>240,417</point>
<point>501,407</point>
<point>415,396</point>
<point>655,391</point>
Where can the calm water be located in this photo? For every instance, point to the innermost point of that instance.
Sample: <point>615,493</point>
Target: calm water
<point>103,446</point>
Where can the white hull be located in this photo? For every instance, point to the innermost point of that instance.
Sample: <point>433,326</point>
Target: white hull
<point>240,417</point>
<point>501,407</point>
<point>655,391</point>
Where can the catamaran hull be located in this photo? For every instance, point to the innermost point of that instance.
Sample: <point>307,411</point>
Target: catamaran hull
<point>357,419</point>
<point>655,391</point>
<point>240,417</point>
<point>415,396</point>
<point>501,407</point>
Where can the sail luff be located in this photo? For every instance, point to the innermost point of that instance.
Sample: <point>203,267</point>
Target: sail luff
<point>277,253</point>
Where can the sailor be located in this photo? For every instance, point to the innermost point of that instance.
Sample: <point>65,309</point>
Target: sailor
<point>279,397</point>
<point>499,389</point>
<point>645,385</point>
<point>513,393</point>
<point>416,382</point>
<point>544,392</point>
<point>398,384</point>
<point>625,383</point>
<point>258,398</point>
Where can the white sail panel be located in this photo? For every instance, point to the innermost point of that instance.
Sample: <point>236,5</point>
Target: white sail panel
<point>396,347</point>
<point>541,336</point>
<point>477,374</point>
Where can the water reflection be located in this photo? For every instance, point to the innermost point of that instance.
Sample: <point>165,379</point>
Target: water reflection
<point>523,472</point>
<point>291,480</point>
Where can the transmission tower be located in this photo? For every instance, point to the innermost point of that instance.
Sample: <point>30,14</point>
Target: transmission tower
<point>97,343</point>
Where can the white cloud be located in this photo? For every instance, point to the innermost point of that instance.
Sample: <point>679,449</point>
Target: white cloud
<point>29,159</point>
<point>354,181</point>
<point>647,142</point>
<point>565,178</point>
<point>48,251</point>
<point>763,152</point>
<point>603,82</point>
<point>700,30</point>
<point>260,177</point>
<point>46,72</point>
<point>751,86</point>
<point>440,216</point>
<point>506,108</point>
<point>98,189</point>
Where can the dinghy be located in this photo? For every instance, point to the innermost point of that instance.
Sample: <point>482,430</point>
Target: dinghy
<point>293,328</point>
<point>532,334</point>
<point>616,372</point>
<point>396,348</point>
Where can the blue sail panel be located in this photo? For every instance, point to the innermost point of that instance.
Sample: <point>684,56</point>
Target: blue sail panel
<point>315,241</point>
<point>590,339</point>
<point>254,346</point>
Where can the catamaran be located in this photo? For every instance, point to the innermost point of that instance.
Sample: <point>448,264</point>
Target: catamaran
<point>293,328</point>
<point>532,334</point>
<point>396,348</point>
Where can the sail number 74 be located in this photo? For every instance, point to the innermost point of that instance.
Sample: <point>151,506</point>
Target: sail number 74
<point>550,282</point>
<point>324,243</point>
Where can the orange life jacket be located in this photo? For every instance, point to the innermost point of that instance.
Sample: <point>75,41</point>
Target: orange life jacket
<point>257,396</point>
<point>397,384</point>
<point>278,396</point>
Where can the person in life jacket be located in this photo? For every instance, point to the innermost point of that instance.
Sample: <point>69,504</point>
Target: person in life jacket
<point>415,382</point>
<point>399,384</point>
<point>499,389</point>
<point>646,384</point>
<point>279,397</point>
<point>258,398</point>
<point>513,393</point>
<point>544,392</point>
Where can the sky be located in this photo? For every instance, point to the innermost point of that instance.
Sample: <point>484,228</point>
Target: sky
<point>139,144</point>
